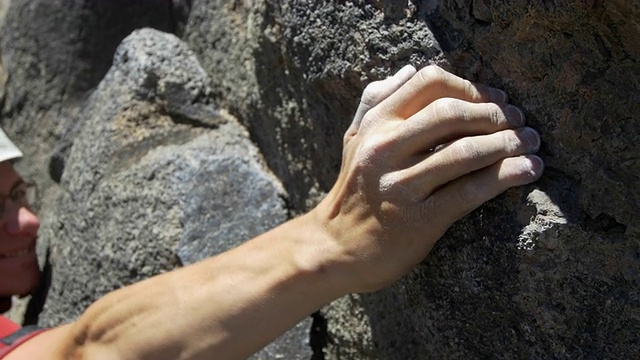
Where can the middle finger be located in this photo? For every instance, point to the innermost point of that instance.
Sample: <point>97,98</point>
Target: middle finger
<point>448,119</point>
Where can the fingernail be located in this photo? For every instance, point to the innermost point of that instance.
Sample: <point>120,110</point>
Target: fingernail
<point>536,164</point>
<point>514,115</point>
<point>498,96</point>
<point>531,138</point>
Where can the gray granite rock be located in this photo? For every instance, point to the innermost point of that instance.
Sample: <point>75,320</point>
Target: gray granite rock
<point>56,52</point>
<point>154,181</point>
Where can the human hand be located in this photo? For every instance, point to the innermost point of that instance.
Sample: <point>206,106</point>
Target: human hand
<point>425,148</point>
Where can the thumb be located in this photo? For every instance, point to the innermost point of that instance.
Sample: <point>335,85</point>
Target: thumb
<point>377,91</point>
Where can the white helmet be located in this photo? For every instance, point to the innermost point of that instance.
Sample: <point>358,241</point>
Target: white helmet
<point>8,151</point>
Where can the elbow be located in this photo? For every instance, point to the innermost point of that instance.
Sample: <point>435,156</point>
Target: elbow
<point>76,343</point>
<point>92,336</point>
<point>84,344</point>
<point>125,324</point>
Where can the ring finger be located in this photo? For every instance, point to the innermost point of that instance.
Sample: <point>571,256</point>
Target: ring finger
<point>463,156</point>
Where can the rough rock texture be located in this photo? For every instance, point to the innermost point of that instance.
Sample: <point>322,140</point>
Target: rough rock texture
<point>55,52</point>
<point>292,72</point>
<point>545,271</point>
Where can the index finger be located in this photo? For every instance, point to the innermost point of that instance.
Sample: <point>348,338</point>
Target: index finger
<point>432,83</point>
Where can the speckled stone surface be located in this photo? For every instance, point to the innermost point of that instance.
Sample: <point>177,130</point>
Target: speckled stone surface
<point>545,271</point>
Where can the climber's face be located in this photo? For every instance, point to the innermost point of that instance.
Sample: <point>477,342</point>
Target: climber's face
<point>19,272</point>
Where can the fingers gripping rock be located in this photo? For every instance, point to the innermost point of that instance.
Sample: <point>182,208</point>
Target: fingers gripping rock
<point>397,193</point>
<point>377,91</point>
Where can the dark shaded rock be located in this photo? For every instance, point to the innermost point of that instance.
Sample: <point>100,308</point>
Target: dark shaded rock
<point>547,271</point>
<point>59,49</point>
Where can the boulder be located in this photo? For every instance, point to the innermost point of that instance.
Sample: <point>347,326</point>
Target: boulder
<point>156,178</point>
<point>55,53</point>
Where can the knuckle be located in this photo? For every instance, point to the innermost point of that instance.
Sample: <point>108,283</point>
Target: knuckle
<point>374,148</point>
<point>432,74</point>
<point>392,184</point>
<point>369,119</point>
<point>466,149</point>
<point>423,211</point>
<point>450,108</point>
<point>347,137</point>
<point>414,214</point>
<point>470,89</point>
<point>445,107</point>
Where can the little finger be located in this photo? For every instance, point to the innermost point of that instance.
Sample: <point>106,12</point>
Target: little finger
<point>460,197</point>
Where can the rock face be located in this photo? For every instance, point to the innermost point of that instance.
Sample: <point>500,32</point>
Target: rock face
<point>546,271</point>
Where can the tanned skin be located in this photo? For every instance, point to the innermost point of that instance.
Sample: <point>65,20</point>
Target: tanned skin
<point>426,147</point>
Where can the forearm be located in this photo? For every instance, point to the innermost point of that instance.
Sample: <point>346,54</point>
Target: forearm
<point>225,307</point>
<point>394,197</point>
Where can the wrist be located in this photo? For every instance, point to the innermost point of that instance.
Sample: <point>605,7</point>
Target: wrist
<point>317,257</point>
